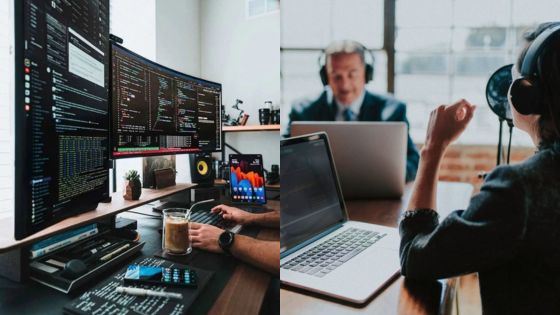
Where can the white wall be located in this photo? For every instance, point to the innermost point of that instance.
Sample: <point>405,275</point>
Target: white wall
<point>6,110</point>
<point>135,22</point>
<point>178,35</point>
<point>244,55</point>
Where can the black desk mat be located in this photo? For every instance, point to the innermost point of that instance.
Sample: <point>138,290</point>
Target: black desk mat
<point>102,299</point>
<point>223,267</point>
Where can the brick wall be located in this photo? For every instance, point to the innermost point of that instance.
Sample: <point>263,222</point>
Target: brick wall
<point>464,163</point>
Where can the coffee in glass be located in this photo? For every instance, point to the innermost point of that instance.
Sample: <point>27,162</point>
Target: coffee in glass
<point>175,238</point>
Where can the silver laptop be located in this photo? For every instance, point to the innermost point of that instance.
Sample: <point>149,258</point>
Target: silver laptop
<point>370,156</point>
<point>320,249</point>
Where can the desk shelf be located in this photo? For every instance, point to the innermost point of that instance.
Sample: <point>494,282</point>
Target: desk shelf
<point>104,210</point>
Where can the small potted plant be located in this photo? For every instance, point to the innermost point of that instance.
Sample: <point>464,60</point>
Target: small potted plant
<point>132,185</point>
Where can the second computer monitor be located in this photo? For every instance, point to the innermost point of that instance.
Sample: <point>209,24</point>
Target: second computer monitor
<point>157,110</point>
<point>62,113</point>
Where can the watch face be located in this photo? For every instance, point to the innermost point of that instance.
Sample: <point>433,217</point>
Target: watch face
<point>226,239</point>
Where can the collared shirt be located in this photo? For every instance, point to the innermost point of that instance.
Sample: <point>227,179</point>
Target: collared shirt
<point>354,106</point>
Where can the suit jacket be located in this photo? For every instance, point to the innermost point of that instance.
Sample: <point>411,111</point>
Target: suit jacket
<point>374,108</point>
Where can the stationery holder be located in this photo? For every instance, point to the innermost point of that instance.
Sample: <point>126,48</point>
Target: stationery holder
<point>48,269</point>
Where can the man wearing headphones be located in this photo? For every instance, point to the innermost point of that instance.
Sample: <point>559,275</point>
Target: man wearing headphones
<point>509,232</point>
<point>346,73</point>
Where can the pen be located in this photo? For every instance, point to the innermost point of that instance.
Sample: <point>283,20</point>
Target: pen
<point>116,251</point>
<point>94,250</point>
<point>86,246</point>
<point>144,292</point>
<point>104,251</point>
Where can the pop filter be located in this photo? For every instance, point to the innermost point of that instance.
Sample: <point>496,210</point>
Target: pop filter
<point>497,97</point>
<point>497,93</point>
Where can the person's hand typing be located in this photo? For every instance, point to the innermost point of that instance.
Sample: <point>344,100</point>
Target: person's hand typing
<point>205,237</point>
<point>233,214</point>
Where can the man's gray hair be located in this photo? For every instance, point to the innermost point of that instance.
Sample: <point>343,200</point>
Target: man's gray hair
<point>345,47</point>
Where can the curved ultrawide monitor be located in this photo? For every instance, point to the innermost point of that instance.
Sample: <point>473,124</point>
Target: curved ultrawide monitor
<point>61,110</point>
<point>158,111</point>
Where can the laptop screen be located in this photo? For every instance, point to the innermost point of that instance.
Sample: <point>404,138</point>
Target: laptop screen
<point>310,195</point>
<point>247,184</point>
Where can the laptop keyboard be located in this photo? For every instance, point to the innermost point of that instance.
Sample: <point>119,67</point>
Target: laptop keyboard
<point>327,256</point>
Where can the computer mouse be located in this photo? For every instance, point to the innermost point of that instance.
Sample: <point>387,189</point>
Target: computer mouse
<point>73,269</point>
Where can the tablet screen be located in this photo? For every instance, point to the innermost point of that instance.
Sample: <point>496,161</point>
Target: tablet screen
<point>247,178</point>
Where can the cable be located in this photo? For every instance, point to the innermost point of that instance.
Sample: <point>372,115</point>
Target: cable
<point>499,158</point>
<point>509,143</point>
<point>145,214</point>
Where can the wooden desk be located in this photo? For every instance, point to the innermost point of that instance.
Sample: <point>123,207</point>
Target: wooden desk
<point>117,205</point>
<point>246,289</point>
<point>400,297</point>
<point>243,293</point>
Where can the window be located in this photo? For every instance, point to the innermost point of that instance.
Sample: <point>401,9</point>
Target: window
<point>308,26</point>
<point>255,8</point>
<point>6,110</point>
<point>451,55</point>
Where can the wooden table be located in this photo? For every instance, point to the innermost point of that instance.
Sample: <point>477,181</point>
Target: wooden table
<point>244,292</point>
<point>402,296</point>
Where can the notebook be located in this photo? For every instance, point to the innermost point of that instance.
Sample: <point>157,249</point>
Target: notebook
<point>102,299</point>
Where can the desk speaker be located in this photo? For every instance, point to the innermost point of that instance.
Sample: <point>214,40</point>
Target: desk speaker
<point>202,172</point>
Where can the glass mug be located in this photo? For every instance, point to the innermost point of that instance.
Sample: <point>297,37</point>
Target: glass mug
<point>175,236</point>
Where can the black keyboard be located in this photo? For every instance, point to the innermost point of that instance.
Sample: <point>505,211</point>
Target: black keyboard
<point>207,217</point>
<point>327,256</point>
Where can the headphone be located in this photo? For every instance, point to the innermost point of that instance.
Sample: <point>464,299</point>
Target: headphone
<point>361,50</point>
<point>525,92</point>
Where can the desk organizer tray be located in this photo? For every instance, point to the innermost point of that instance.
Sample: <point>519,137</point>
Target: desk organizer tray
<point>49,269</point>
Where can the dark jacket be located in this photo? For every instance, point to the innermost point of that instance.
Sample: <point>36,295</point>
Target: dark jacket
<point>374,108</point>
<point>509,234</point>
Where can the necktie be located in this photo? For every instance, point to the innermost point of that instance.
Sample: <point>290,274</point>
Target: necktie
<point>348,114</point>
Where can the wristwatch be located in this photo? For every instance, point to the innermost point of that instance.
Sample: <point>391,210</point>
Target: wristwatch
<point>226,241</point>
